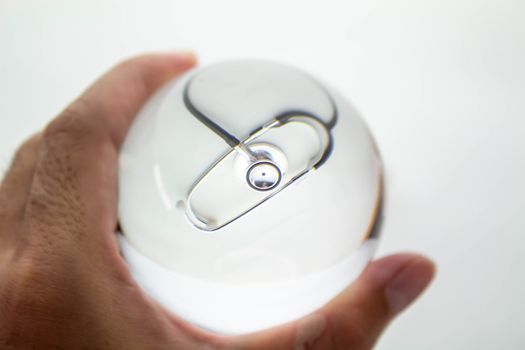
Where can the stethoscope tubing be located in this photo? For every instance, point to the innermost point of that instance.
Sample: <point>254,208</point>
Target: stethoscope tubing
<point>283,117</point>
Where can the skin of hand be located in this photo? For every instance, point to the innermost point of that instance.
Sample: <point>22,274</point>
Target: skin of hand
<point>63,283</point>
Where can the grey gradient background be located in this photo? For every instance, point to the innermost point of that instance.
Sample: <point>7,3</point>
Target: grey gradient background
<point>441,84</point>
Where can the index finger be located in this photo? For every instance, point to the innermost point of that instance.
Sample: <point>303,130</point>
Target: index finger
<point>109,105</point>
<point>74,188</point>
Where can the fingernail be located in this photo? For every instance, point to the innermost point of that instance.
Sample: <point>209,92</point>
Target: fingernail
<point>309,330</point>
<point>185,56</point>
<point>408,284</point>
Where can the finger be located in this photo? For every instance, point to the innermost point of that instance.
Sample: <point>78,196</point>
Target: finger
<point>15,187</point>
<point>354,319</point>
<point>74,190</point>
<point>358,316</point>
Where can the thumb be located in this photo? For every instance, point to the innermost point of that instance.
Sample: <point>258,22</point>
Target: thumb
<point>358,316</point>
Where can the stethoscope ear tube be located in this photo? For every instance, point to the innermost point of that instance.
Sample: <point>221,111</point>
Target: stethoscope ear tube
<point>323,129</point>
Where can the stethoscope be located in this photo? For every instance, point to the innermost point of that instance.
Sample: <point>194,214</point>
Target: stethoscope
<point>261,165</point>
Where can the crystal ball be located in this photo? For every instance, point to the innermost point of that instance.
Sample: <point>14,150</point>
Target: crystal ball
<point>249,195</point>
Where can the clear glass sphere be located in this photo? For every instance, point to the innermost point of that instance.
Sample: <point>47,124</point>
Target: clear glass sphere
<point>249,195</point>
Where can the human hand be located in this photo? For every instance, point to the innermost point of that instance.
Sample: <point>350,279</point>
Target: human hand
<point>63,283</point>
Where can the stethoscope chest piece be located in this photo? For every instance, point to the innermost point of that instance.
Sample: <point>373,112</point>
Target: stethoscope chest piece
<point>264,169</point>
<point>263,175</point>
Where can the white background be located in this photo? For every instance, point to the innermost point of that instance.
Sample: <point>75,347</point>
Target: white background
<point>441,84</point>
